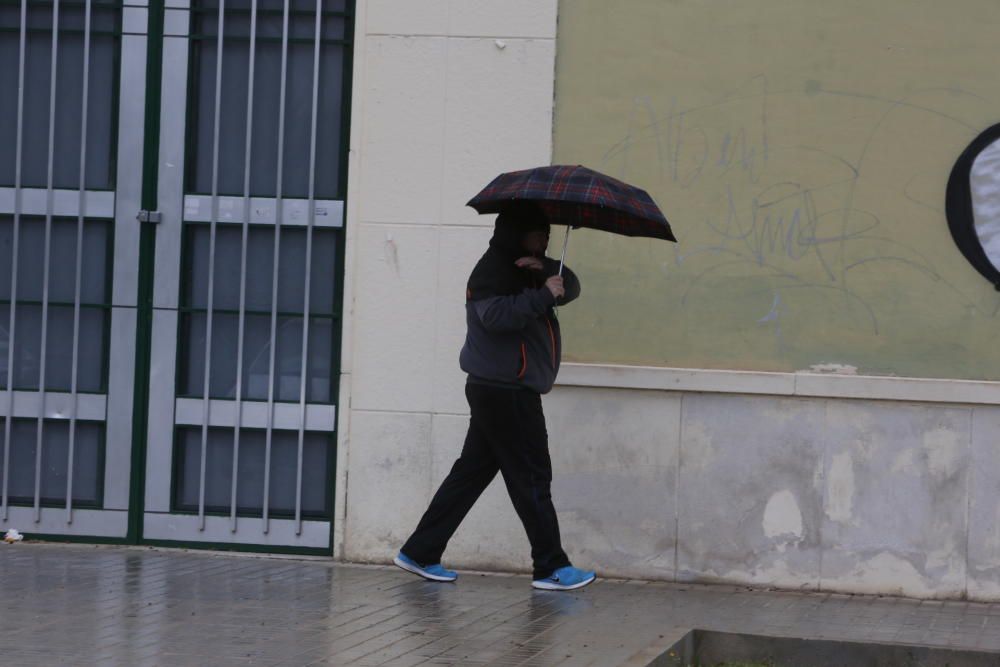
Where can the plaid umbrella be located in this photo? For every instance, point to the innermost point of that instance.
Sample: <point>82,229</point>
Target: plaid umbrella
<point>578,197</point>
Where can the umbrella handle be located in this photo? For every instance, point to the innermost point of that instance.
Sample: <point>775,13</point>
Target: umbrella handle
<point>562,260</point>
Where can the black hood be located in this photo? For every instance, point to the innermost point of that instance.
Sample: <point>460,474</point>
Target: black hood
<point>512,224</point>
<point>496,274</point>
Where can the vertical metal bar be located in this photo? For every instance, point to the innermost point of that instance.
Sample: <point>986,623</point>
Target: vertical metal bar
<point>311,217</point>
<point>12,323</point>
<point>243,268</point>
<point>79,262</point>
<point>45,262</point>
<point>277,258</point>
<point>206,401</point>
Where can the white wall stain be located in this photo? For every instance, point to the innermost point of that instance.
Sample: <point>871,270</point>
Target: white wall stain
<point>840,489</point>
<point>888,573</point>
<point>390,253</point>
<point>782,516</point>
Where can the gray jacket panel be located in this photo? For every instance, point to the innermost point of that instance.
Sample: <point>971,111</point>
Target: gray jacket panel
<point>515,339</point>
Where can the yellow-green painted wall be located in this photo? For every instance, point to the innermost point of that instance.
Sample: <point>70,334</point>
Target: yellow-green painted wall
<point>800,149</point>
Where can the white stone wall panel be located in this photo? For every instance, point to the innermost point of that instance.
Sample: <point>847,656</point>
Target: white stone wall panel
<point>895,498</point>
<point>498,116</point>
<point>404,121</point>
<point>984,506</point>
<point>750,499</point>
<point>388,484</point>
<point>512,18</point>
<point>407,17</point>
<point>394,317</point>
<point>614,458</point>
<point>446,95</point>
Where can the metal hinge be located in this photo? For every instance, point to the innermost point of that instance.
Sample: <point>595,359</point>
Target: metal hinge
<point>153,217</point>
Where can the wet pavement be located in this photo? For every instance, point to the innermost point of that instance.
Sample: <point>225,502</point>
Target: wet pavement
<point>100,605</point>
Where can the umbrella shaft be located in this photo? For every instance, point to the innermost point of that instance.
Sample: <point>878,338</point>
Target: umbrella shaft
<point>562,260</point>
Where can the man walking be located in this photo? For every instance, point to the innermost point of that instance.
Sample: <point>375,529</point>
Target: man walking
<point>511,354</point>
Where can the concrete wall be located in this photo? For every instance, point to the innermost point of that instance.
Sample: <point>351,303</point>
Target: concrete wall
<point>446,95</point>
<point>800,491</point>
<point>796,480</point>
<point>790,491</point>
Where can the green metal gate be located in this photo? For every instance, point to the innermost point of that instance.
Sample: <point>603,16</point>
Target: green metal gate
<point>171,240</point>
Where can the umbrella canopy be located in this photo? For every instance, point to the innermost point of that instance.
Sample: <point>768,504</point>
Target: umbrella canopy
<point>577,197</point>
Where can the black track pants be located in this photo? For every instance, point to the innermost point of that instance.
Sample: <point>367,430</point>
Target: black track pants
<point>506,434</point>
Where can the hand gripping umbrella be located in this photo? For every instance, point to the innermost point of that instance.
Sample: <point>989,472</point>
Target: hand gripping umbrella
<point>577,197</point>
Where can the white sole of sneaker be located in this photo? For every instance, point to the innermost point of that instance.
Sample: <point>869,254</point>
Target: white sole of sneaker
<point>398,562</point>
<point>545,586</point>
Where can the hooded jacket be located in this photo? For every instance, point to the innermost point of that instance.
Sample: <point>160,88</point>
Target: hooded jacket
<point>513,335</point>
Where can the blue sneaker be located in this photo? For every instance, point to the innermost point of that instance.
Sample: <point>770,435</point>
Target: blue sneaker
<point>565,579</point>
<point>432,572</point>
